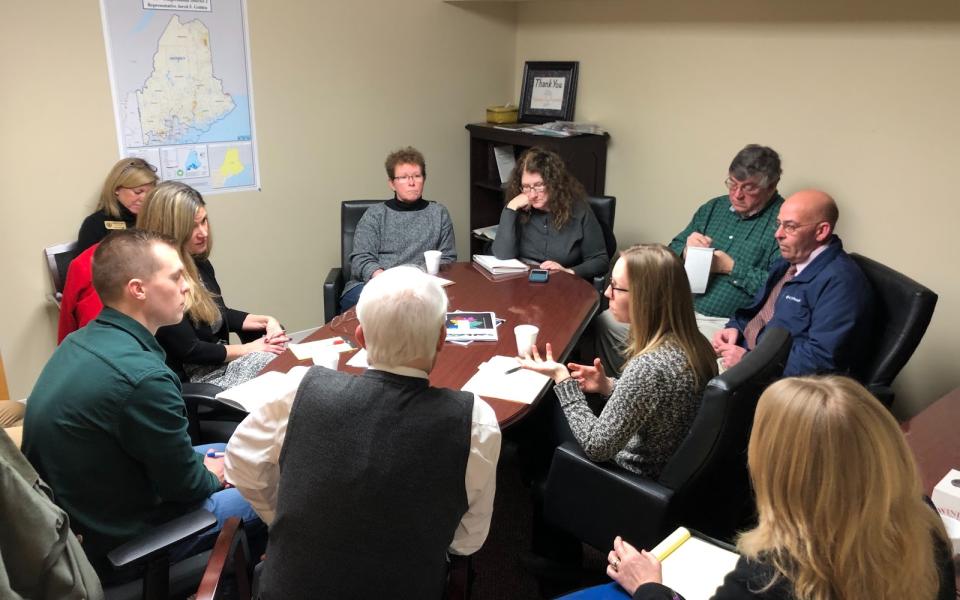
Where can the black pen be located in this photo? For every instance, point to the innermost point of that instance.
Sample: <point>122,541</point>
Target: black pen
<point>513,370</point>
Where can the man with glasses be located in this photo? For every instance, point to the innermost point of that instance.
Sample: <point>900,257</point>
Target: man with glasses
<point>739,227</point>
<point>400,230</point>
<point>815,290</point>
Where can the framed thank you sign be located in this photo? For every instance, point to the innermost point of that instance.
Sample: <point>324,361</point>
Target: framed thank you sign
<point>549,91</point>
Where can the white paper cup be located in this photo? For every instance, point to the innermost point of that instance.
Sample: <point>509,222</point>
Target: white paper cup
<point>526,338</point>
<point>432,259</point>
<point>328,359</point>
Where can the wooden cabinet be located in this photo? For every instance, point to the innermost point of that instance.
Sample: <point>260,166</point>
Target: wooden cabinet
<point>585,156</point>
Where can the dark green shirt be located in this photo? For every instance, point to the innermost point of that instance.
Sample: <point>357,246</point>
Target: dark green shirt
<point>748,240</point>
<point>106,428</point>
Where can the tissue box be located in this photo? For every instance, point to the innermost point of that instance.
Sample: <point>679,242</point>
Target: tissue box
<point>502,114</point>
<point>946,495</point>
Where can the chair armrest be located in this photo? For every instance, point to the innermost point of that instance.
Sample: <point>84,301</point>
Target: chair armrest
<point>332,289</point>
<point>202,394</point>
<point>598,501</point>
<point>230,554</point>
<point>159,539</point>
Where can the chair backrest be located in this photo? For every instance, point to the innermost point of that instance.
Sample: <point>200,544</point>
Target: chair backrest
<point>708,472</point>
<point>350,213</point>
<point>58,259</point>
<point>902,310</point>
<point>605,209</point>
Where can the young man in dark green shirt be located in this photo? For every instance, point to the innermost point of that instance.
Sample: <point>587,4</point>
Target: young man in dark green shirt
<point>105,424</point>
<point>739,227</point>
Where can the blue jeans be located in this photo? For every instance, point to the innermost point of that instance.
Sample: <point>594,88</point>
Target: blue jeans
<point>350,298</point>
<point>224,504</point>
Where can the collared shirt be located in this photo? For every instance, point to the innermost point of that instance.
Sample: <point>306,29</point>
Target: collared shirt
<point>748,240</point>
<point>816,252</point>
<point>253,460</point>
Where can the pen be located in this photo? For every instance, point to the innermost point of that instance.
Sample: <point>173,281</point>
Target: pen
<point>513,370</point>
<point>211,453</point>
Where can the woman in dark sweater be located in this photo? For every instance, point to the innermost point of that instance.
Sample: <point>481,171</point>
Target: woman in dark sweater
<point>841,512</point>
<point>198,347</point>
<point>123,192</point>
<point>548,221</point>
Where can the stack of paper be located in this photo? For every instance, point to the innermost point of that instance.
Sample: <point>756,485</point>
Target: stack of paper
<point>489,233</point>
<point>310,350</point>
<point>497,266</point>
<point>250,395</point>
<point>471,326</point>
<point>501,377</point>
<point>692,566</point>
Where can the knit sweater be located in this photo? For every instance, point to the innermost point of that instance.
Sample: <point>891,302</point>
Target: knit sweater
<point>646,417</point>
<point>393,234</point>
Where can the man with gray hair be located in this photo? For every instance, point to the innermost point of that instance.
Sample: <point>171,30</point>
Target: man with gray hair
<point>739,226</point>
<point>367,482</point>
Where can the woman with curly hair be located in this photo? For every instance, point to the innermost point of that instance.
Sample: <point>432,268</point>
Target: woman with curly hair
<point>548,221</point>
<point>841,511</point>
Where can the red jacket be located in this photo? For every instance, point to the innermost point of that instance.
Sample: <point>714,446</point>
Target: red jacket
<point>80,303</point>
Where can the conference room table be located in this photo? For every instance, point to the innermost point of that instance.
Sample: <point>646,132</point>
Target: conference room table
<point>562,307</point>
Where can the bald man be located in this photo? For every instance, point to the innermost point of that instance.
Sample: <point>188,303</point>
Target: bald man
<point>815,291</point>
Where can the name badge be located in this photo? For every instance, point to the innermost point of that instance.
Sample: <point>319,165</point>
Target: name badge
<point>114,224</point>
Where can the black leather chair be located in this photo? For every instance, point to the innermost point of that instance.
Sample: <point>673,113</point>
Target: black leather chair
<point>350,213</point>
<point>605,209</point>
<point>704,485</point>
<point>902,310</point>
<point>58,258</point>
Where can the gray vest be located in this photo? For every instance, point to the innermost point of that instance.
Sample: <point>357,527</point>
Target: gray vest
<point>371,488</point>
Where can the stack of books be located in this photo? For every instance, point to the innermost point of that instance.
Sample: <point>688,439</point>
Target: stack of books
<point>494,265</point>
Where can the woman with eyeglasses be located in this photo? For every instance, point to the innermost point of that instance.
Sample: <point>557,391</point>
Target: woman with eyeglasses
<point>198,347</point>
<point>548,222</point>
<point>841,511</point>
<point>651,406</point>
<point>124,189</point>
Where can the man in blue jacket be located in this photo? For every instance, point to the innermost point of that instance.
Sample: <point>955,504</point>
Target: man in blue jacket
<point>816,291</point>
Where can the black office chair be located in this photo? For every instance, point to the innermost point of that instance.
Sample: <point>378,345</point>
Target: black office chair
<point>902,310</point>
<point>704,485</point>
<point>337,277</point>
<point>605,209</point>
<point>58,258</point>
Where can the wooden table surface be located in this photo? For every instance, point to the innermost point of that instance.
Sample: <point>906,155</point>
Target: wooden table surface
<point>561,308</point>
<point>934,436</point>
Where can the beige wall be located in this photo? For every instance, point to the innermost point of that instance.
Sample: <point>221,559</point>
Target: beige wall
<point>863,106</point>
<point>337,85</point>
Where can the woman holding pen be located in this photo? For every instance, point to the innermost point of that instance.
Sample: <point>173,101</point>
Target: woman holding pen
<point>841,512</point>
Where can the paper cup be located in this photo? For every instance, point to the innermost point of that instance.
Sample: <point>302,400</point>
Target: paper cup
<point>329,359</point>
<point>526,338</point>
<point>432,259</point>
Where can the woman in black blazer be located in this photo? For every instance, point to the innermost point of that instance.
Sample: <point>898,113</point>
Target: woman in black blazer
<point>124,189</point>
<point>841,512</point>
<point>198,347</point>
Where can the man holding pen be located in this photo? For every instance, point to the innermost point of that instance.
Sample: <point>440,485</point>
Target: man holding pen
<point>105,424</point>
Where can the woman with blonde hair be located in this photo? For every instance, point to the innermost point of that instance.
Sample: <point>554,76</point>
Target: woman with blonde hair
<point>198,347</point>
<point>124,190</point>
<point>547,221</point>
<point>652,405</point>
<point>841,509</point>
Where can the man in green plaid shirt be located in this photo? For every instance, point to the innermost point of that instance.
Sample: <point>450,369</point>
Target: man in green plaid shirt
<point>739,227</point>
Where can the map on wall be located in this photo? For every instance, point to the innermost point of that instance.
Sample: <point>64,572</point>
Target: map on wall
<point>182,91</point>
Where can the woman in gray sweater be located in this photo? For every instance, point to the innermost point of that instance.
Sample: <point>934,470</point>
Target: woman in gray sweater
<point>548,221</point>
<point>652,405</point>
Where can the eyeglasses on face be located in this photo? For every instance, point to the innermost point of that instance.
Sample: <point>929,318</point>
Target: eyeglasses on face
<point>618,289</point>
<point>536,187</point>
<point>791,227</point>
<point>747,187</point>
<point>410,178</point>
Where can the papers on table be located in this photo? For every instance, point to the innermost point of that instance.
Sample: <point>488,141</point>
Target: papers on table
<point>497,266</point>
<point>465,326</point>
<point>313,349</point>
<point>359,360</point>
<point>492,379</point>
<point>692,566</point>
<point>443,282</point>
<point>697,264</point>
<point>250,395</point>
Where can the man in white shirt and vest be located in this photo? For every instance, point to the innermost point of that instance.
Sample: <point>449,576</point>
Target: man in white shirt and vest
<point>367,482</point>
